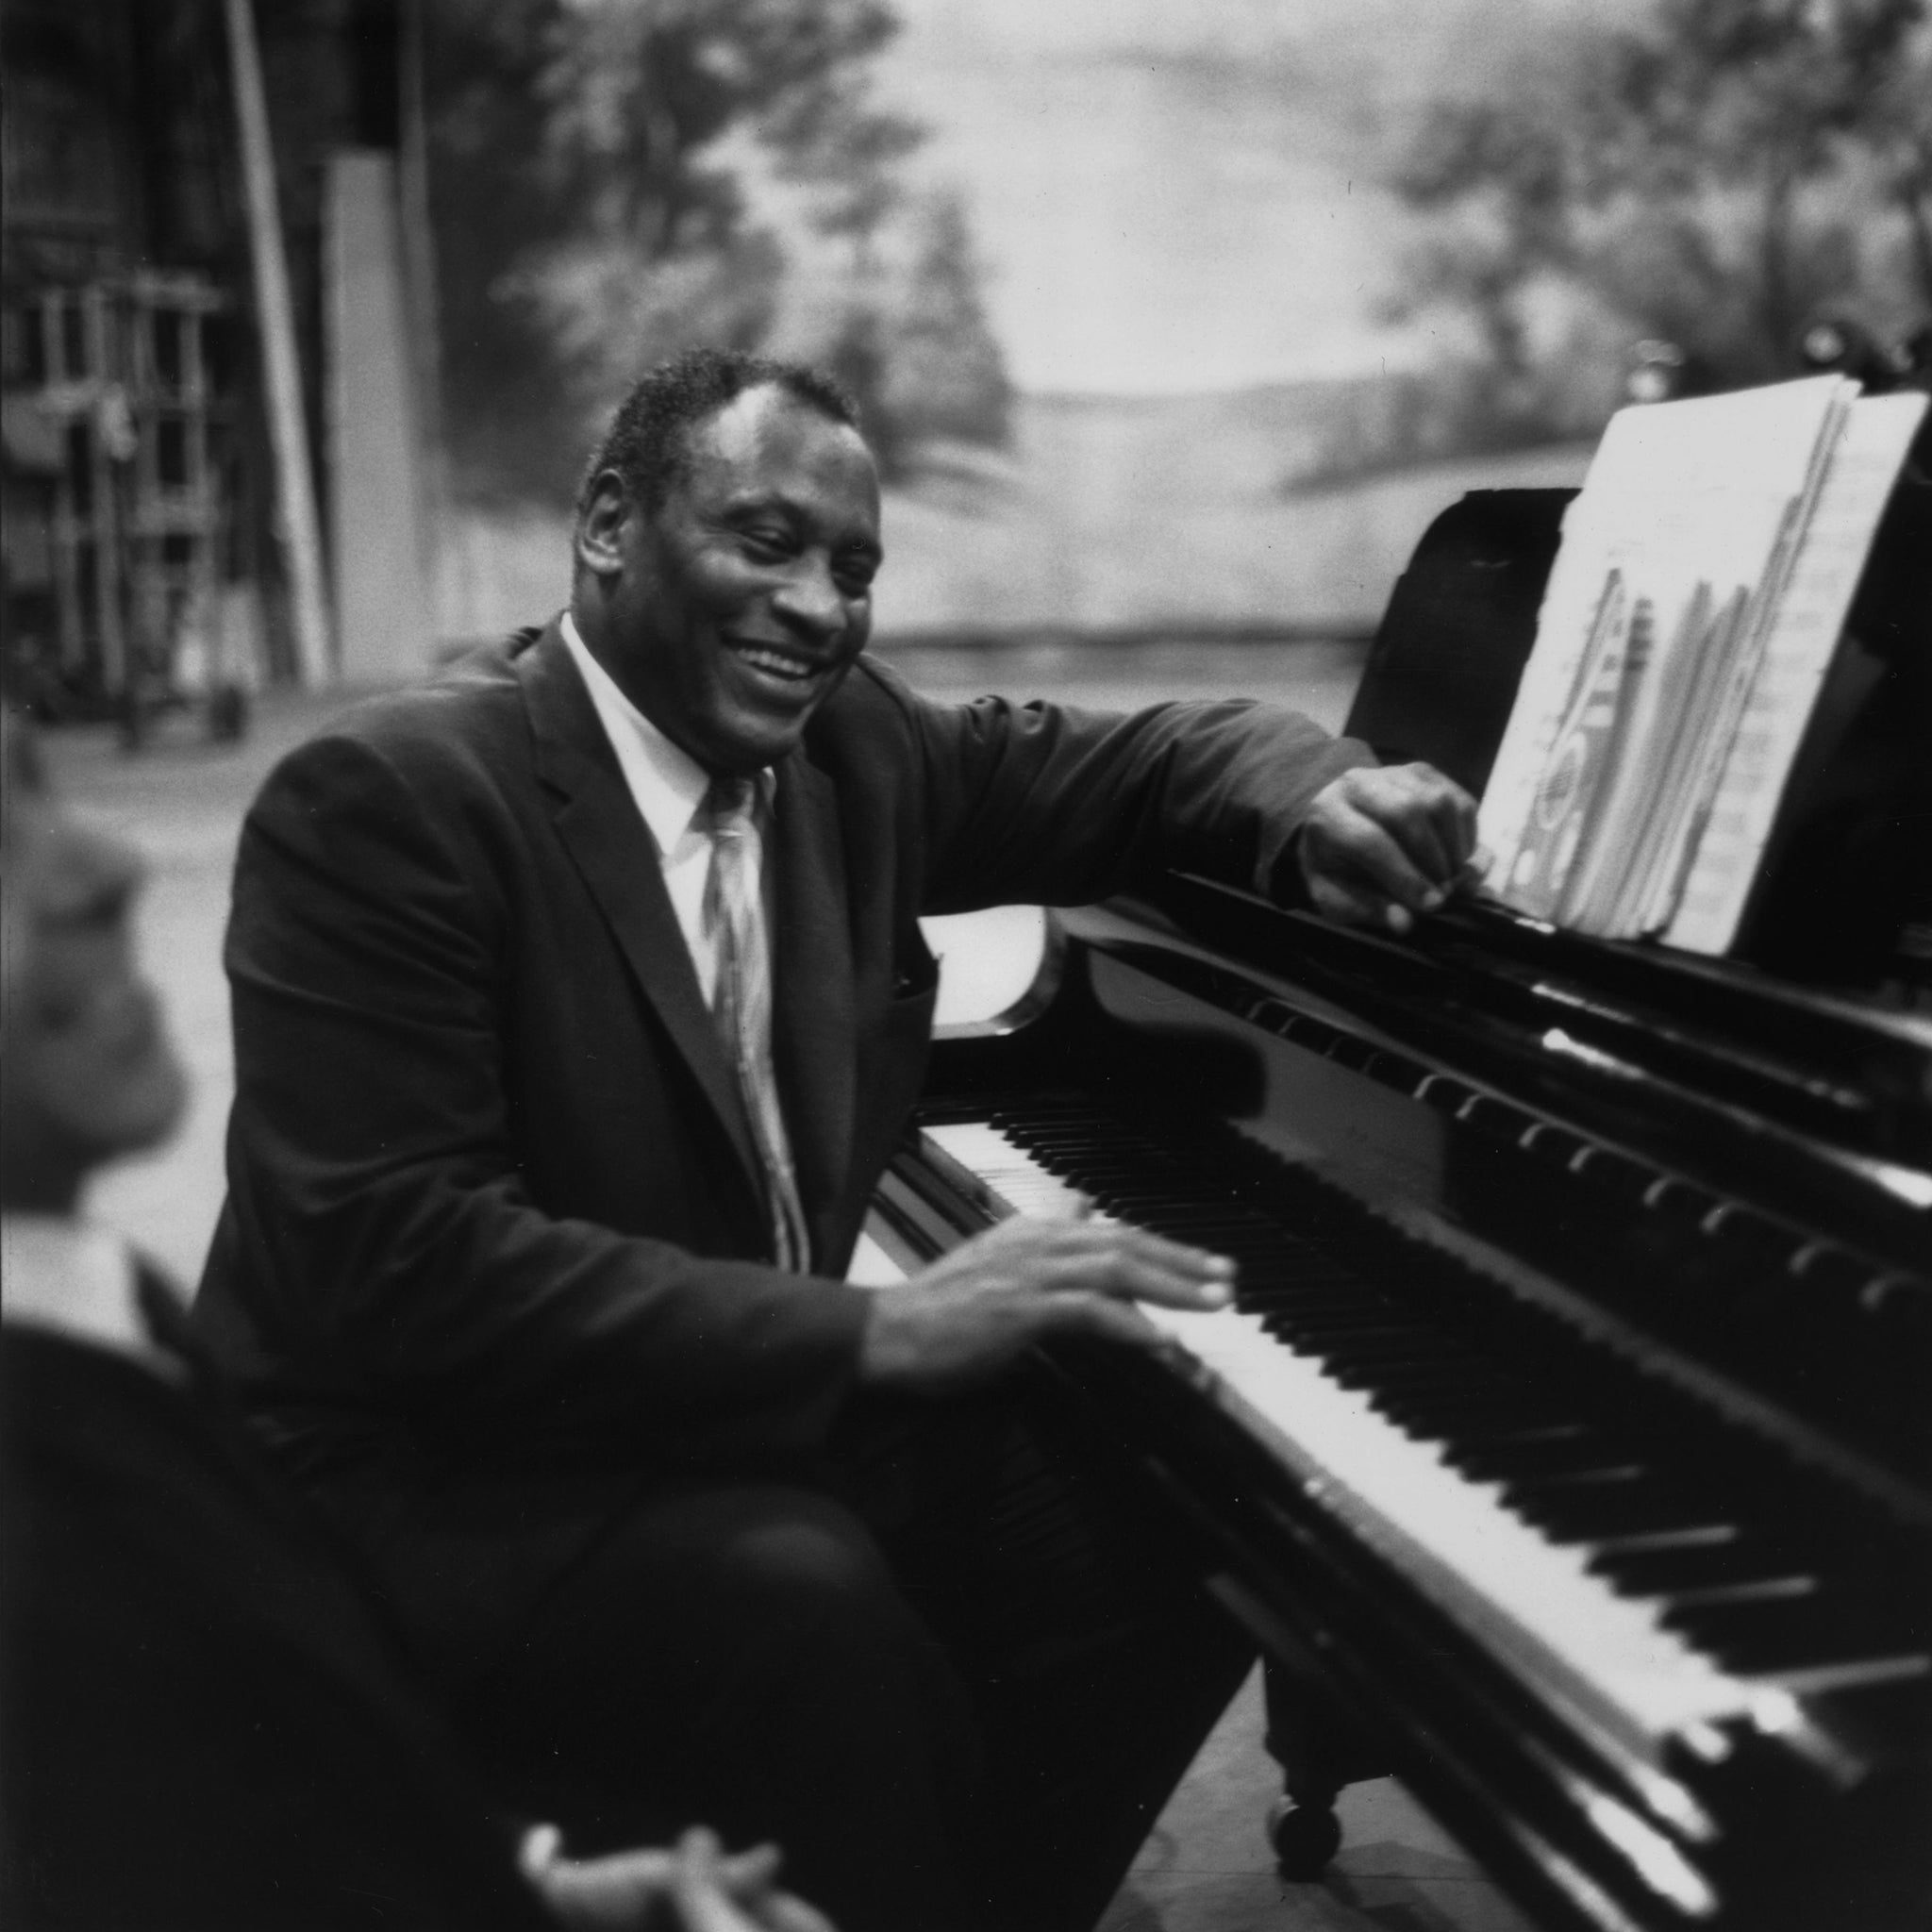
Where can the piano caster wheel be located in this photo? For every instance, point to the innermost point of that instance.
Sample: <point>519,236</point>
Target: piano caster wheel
<point>1304,1835</point>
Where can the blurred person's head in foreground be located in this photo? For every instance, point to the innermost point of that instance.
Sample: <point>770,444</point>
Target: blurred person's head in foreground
<point>86,1070</point>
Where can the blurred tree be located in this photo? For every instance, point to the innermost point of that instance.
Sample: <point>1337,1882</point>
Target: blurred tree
<point>617,179</point>
<point>944,379</point>
<point>1714,175</point>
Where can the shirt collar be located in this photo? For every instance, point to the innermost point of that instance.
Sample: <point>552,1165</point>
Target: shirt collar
<point>77,1279</point>
<point>667,782</point>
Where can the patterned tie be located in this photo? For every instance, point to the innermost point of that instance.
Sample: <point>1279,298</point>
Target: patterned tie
<point>742,1005</point>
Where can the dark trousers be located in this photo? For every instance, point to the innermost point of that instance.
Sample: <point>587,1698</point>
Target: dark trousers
<point>956,1683</point>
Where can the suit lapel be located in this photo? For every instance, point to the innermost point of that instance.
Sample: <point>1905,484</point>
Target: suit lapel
<point>598,822</point>
<point>815,1032</point>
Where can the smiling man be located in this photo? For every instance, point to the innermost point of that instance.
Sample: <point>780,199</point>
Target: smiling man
<point>579,999</point>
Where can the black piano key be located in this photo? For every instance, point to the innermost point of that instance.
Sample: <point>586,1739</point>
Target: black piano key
<point>1404,1376</point>
<point>1396,1363</point>
<point>1751,1242</point>
<point>1448,1415</point>
<point>1271,1299</point>
<point>1616,1172</point>
<point>1312,1288</point>
<point>1444,1094</point>
<point>1204,1225</point>
<point>1732,1557</point>
<point>1403,1359</point>
<point>1338,1345</point>
<point>1593,1508</point>
<point>1506,1433</point>
<point>1801,1632</point>
<point>1878,1719</point>
<point>1527,1454</point>
<point>1676,1200</point>
<point>1337,1316</point>
<point>1500,1119</point>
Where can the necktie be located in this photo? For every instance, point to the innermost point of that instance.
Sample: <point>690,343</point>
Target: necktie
<point>742,1005</point>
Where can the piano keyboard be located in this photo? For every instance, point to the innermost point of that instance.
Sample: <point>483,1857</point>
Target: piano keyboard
<point>1645,1601</point>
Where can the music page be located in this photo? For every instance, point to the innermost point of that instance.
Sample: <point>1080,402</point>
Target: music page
<point>1673,562</point>
<point>1703,911</point>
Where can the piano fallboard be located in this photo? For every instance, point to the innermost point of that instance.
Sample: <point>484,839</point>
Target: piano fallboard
<point>1571,1422</point>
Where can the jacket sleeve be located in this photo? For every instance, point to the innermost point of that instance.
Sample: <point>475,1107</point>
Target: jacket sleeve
<point>379,1238</point>
<point>1055,805</point>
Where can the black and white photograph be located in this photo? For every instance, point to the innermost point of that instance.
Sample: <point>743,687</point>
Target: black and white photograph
<point>967,966</point>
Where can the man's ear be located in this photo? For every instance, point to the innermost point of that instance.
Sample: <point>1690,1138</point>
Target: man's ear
<point>600,528</point>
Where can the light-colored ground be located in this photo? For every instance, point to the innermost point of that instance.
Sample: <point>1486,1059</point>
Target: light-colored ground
<point>1205,1866</point>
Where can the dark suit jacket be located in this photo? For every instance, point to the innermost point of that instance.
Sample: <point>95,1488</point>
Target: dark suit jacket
<point>492,1241</point>
<point>205,1729</point>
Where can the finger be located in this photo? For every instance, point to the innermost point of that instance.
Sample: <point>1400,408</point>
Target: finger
<point>700,1849</point>
<point>1063,1254</point>
<point>1130,1262</point>
<point>1129,1276</point>
<point>1367,860</point>
<point>702,1908</point>
<point>1467,815</point>
<point>1180,1261</point>
<point>1108,1320</point>
<point>701,1903</point>
<point>538,1849</point>
<point>1347,906</point>
<point>782,1912</point>
<point>750,1874</point>
<point>1450,811</point>
<point>1420,817</point>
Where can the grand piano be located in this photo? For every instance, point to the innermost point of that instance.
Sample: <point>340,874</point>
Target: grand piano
<point>1569,1447</point>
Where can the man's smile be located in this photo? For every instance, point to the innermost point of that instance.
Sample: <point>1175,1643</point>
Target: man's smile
<point>779,662</point>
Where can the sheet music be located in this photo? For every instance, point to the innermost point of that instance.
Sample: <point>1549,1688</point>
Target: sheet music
<point>1863,465</point>
<point>1667,593</point>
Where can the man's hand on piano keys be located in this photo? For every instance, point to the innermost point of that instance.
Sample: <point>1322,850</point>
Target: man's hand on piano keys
<point>1385,843</point>
<point>998,1294</point>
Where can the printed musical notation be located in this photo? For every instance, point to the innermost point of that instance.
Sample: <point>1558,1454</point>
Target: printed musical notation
<point>1704,575</point>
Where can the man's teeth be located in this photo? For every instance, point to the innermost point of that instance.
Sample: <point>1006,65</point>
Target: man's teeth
<point>777,663</point>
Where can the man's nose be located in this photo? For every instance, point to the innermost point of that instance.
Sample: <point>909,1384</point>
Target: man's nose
<point>809,600</point>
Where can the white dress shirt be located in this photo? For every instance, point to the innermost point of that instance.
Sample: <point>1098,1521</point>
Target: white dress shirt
<point>667,785</point>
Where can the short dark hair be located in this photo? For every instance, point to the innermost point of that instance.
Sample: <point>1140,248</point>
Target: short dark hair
<point>646,442</point>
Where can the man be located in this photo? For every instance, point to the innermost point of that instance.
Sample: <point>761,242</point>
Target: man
<point>580,1000</point>
<point>205,1726</point>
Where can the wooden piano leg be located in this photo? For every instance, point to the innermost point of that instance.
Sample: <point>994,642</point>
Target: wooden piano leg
<point>1318,1751</point>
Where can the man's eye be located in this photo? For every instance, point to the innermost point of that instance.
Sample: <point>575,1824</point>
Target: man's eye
<point>766,544</point>
<point>855,575</point>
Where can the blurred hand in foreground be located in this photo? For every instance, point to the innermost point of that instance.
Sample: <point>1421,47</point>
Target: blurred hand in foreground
<point>693,1886</point>
<point>1385,843</point>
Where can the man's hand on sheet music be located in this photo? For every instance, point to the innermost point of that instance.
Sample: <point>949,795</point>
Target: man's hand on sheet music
<point>998,1294</point>
<point>1385,843</point>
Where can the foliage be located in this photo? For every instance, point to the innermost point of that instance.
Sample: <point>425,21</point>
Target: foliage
<point>1714,175</point>
<point>617,179</point>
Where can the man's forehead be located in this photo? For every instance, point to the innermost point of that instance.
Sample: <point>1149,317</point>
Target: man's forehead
<point>763,428</point>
